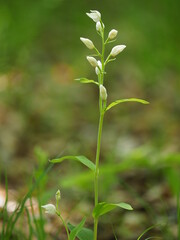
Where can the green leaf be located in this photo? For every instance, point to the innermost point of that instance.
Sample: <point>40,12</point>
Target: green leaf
<point>83,234</point>
<point>81,159</point>
<point>126,100</point>
<point>77,229</point>
<point>85,80</point>
<point>103,207</point>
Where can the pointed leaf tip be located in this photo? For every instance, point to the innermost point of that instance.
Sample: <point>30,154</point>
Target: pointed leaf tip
<point>83,234</point>
<point>77,229</point>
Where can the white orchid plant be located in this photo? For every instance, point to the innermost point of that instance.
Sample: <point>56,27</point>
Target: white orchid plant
<point>99,65</point>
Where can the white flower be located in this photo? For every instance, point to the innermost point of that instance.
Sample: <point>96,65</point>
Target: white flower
<point>94,15</point>
<point>117,49</point>
<point>103,92</point>
<point>49,208</point>
<point>100,66</point>
<point>99,26</point>
<point>112,34</point>
<point>92,61</point>
<point>89,44</point>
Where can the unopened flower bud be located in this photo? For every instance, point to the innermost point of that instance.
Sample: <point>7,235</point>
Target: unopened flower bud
<point>112,34</point>
<point>103,92</point>
<point>58,195</point>
<point>49,208</point>
<point>117,49</point>
<point>89,44</point>
<point>94,15</point>
<point>99,26</point>
<point>92,61</point>
<point>100,66</point>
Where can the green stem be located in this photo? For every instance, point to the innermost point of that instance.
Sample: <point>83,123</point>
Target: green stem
<point>102,58</point>
<point>98,53</point>
<point>107,59</point>
<point>97,167</point>
<point>101,118</point>
<point>64,224</point>
<point>95,228</point>
<point>97,156</point>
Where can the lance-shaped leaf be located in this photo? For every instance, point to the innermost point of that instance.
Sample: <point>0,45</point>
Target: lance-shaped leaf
<point>126,100</point>
<point>77,229</point>
<point>85,80</point>
<point>81,159</point>
<point>103,208</point>
<point>83,234</point>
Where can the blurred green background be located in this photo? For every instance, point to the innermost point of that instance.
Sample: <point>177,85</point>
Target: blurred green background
<point>42,108</point>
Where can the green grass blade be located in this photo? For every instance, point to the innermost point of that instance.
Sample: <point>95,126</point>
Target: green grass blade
<point>41,219</point>
<point>145,231</point>
<point>4,211</point>
<point>15,216</point>
<point>29,224</point>
<point>114,233</point>
<point>178,212</point>
<point>153,238</point>
<point>38,230</point>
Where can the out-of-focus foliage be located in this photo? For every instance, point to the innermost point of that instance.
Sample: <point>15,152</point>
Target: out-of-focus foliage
<point>41,105</point>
